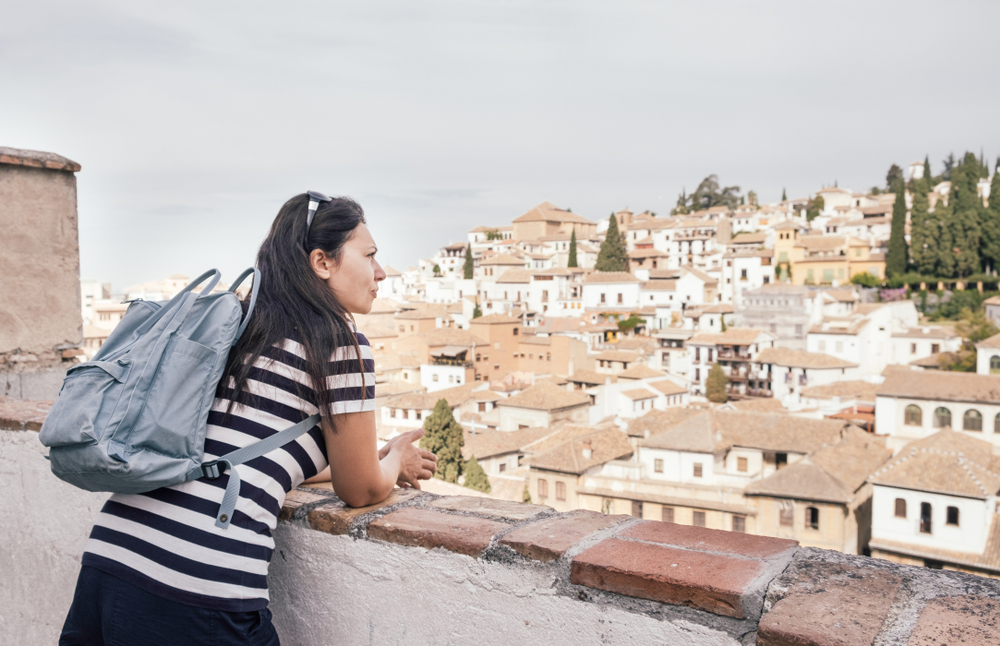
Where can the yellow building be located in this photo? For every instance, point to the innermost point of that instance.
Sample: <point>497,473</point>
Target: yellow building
<point>830,260</point>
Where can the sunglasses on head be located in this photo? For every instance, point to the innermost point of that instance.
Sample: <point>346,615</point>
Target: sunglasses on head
<point>315,199</point>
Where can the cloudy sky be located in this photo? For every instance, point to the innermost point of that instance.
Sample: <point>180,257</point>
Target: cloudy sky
<point>194,121</point>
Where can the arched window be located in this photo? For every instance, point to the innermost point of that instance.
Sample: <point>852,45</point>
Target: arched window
<point>972,420</point>
<point>812,518</point>
<point>942,418</point>
<point>994,364</point>
<point>913,416</point>
<point>900,508</point>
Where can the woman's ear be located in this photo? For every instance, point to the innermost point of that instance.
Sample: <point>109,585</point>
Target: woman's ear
<point>321,264</point>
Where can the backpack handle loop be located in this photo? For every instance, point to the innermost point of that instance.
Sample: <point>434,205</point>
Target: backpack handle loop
<point>215,275</point>
<point>254,289</point>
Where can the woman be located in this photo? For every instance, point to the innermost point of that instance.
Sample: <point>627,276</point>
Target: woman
<point>156,569</point>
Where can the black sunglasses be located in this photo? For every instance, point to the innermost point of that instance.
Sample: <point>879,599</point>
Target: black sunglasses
<point>315,199</point>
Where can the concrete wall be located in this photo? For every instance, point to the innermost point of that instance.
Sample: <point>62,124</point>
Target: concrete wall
<point>40,314</point>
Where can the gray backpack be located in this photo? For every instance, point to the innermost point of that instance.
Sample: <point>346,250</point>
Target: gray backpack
<point>133,419</point>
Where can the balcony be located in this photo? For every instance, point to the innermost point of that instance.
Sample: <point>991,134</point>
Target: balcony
<point>492,572</point>
<point>734,355</point>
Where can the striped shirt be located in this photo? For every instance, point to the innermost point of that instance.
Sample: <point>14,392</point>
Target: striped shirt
<point>166,541</point>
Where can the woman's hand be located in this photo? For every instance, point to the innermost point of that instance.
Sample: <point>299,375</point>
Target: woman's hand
<point>415,463</point>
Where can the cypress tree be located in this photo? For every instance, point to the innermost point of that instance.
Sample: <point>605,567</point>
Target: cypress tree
<point>927,172</point>
<point>572,250</point>
<point>715,385</point>
<point>990,224</point>
<point>895,259</point>
<point>443,437</point>
<point>612,255</point>
<point>475,477</point>
<point>945,261</point>
<point>476,312</point>
<point>468,268</point>
<point>784,197</point>
<point>526,495</point>
<point>923,233</point>
<point>968,217</point>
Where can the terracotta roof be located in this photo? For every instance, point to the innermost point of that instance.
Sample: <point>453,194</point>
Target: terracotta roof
<point>831,474</point>
<point>743,237</point>
<point>947,462</point>
<point>590,377</point>
<point>660,285</point>
<point>991,343</point>
<point>618,355</point>
<point>639,393</point>
<point>640,371</point>
<point>515,276</point>
<point>719,429</point>
<point>546,396</point>
<point>426,401</point>
<point>549,212</point>
<point>450,336</point>
<point>503,259</point>
<point>789,358</point>
<point>605,445</point>
<point>930,332</point>
<point>941,386</point>
<point>843,389</point>
<point>668,387</point>
<point>610,277</point>
<point>758,405</point>
<point>732,336</point>
<point>485,444</point>
<point>936,360</point>
<point>37,159</point>
<point>657,421</point>
<point>842,295</point>
<point>493,319</point>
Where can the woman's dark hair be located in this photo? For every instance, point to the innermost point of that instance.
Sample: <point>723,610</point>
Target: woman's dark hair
<point>293,301</point>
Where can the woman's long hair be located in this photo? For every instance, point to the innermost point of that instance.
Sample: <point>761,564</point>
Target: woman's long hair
<point>293,301</point>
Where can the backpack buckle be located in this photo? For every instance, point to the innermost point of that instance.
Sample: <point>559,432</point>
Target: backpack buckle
<point>211,470</point>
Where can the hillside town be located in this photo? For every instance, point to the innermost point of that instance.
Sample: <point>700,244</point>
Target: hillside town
<point>742,367</point>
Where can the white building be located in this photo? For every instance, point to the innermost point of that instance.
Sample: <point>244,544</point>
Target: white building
<point>612,291</point>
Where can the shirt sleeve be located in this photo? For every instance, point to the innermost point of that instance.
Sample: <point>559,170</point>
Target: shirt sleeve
<point>351,382</point>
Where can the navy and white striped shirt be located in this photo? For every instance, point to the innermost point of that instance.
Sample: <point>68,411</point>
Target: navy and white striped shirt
<point>166,541</point>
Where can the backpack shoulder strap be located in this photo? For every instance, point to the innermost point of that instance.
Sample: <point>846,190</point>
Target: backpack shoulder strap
<point>254,289</point>
<point>216,468</point>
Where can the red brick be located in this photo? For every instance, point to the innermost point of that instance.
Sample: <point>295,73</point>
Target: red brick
<point>23,414</point>
<point>504,509</point>
<point>708,540</point>
<point>295,499</point>
<point>830,605</point>
<point>549,539</point>
<point>708,582</point>
<point>958,620</point>
<point>336,517</point>
<point>430,529</point>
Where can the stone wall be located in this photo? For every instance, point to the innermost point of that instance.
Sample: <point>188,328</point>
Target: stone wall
<point>40,319</point>
<point>426,569</point>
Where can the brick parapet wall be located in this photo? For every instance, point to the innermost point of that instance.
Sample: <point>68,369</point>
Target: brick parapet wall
<point>752,589</point>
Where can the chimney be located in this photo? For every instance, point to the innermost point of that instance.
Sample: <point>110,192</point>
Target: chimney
<point>588,451</point>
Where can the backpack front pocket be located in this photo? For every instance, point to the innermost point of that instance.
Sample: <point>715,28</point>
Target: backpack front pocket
<point>86,404</point>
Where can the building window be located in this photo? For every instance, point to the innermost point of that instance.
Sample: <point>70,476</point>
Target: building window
<point>560,490</point>
<point>913,416</point>
<point>482,407</point>
<point>503,467</point>
<point>603,300</point>
<point>697,469</point>
<point>994,364</point>
<point>543,489</point>
<point>434,377</point>
<point>953,516</point>
<point>698,519</point>
<point>780,460</point>
<point>741,465</point>
<point>515,331</point>
<point>607,505</point>
<point>392,413</point>
<point>935,348</point>
<point>667,514</point>
<point>636,509</point>
<point>942,418</point>
<point>697,355</point>
<point>419,413</point>
<point>658,465</point>
<point>786,516</point>
<point>996,423</point>
<point>900,508</point>
<point>740,524</point>
<point>925,518</point>
<point>972,420</point>
<point>812,518</point>
<point>913,348</point>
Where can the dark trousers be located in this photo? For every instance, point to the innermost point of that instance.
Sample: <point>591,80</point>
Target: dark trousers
<point>107,611</point>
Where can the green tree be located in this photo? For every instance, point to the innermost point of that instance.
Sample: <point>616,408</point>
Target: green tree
<point>612,256</point>
<point>723,320</point>
<point>946,245</point>
<point>895,258</point>
<point>476,312</point>
<point>468,268</point>
<point>443,437</point>
<point>475,477</point>
<point>974,327</point>
<point>784,196</point>
<point>526,495</point>
<point>993,218</point>
<point>709,194</point>
<point>437,270</point>
<point>716,385</point>
<point>682,204</point>
<point>752,198</point>
<point>865,279</point>
<point>572,250</point>
<point>493,234</point>
<point>968,217</point>
<point>629,324</point>
<point>894,175</point>
<point>948,163</point>
<point>815,207</point>
<point>923,232</point>
<point>927,172</point>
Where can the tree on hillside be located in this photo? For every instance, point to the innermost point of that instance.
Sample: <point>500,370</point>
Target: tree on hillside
<point>968,215</point>
<point>894,175</point>
<point>475,477</point>
<point>923,232</point>
<point>752,198</point>
<point>682,202</point>
<point>989,247</point>
<point>526,495</point>
<point>468,268</point>
<point>443,437</point>
<point>572,262</point>
<point>973,327</point>
<point>716,384</point>
<point>927,172</point>
<point>784,197</point>
<point>709,194</point>
<point>612,256</point>
<point>948,163</point>
<point>895,258</point>
<point>476,312</point>
<point>946,245</point>
<point>815,207</point>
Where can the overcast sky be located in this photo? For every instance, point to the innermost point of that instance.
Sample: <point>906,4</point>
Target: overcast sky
<point>195,121</point>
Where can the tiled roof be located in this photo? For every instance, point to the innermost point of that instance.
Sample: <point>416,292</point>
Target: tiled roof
<point>549,212</point>
<point>948,462</point>
<point>605,445</point>
<point>743,237</point>
<point>941,385</point>
<point>590,377</point>
<point>503,259</point>
<point>658,421</point>
<point>732,336</point>
<point>450,336</point>
<point>485,444</point>
<point>610,277</point>
<point>493,319</point>
<point>618,355</point>
<point>718,430</point>
<point>757,404</point>
<point>832,474</point>
<point>426,401</point>
<point>546,396</point>
<point>936,360</point>
<point>515,276</point>
<point>660,285</point>
<point>640,371</point>
<point>991,343</point>
<point>639,393</point>
<point>843,389</point>
<point>667,387</point>
<point>789,358</point>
